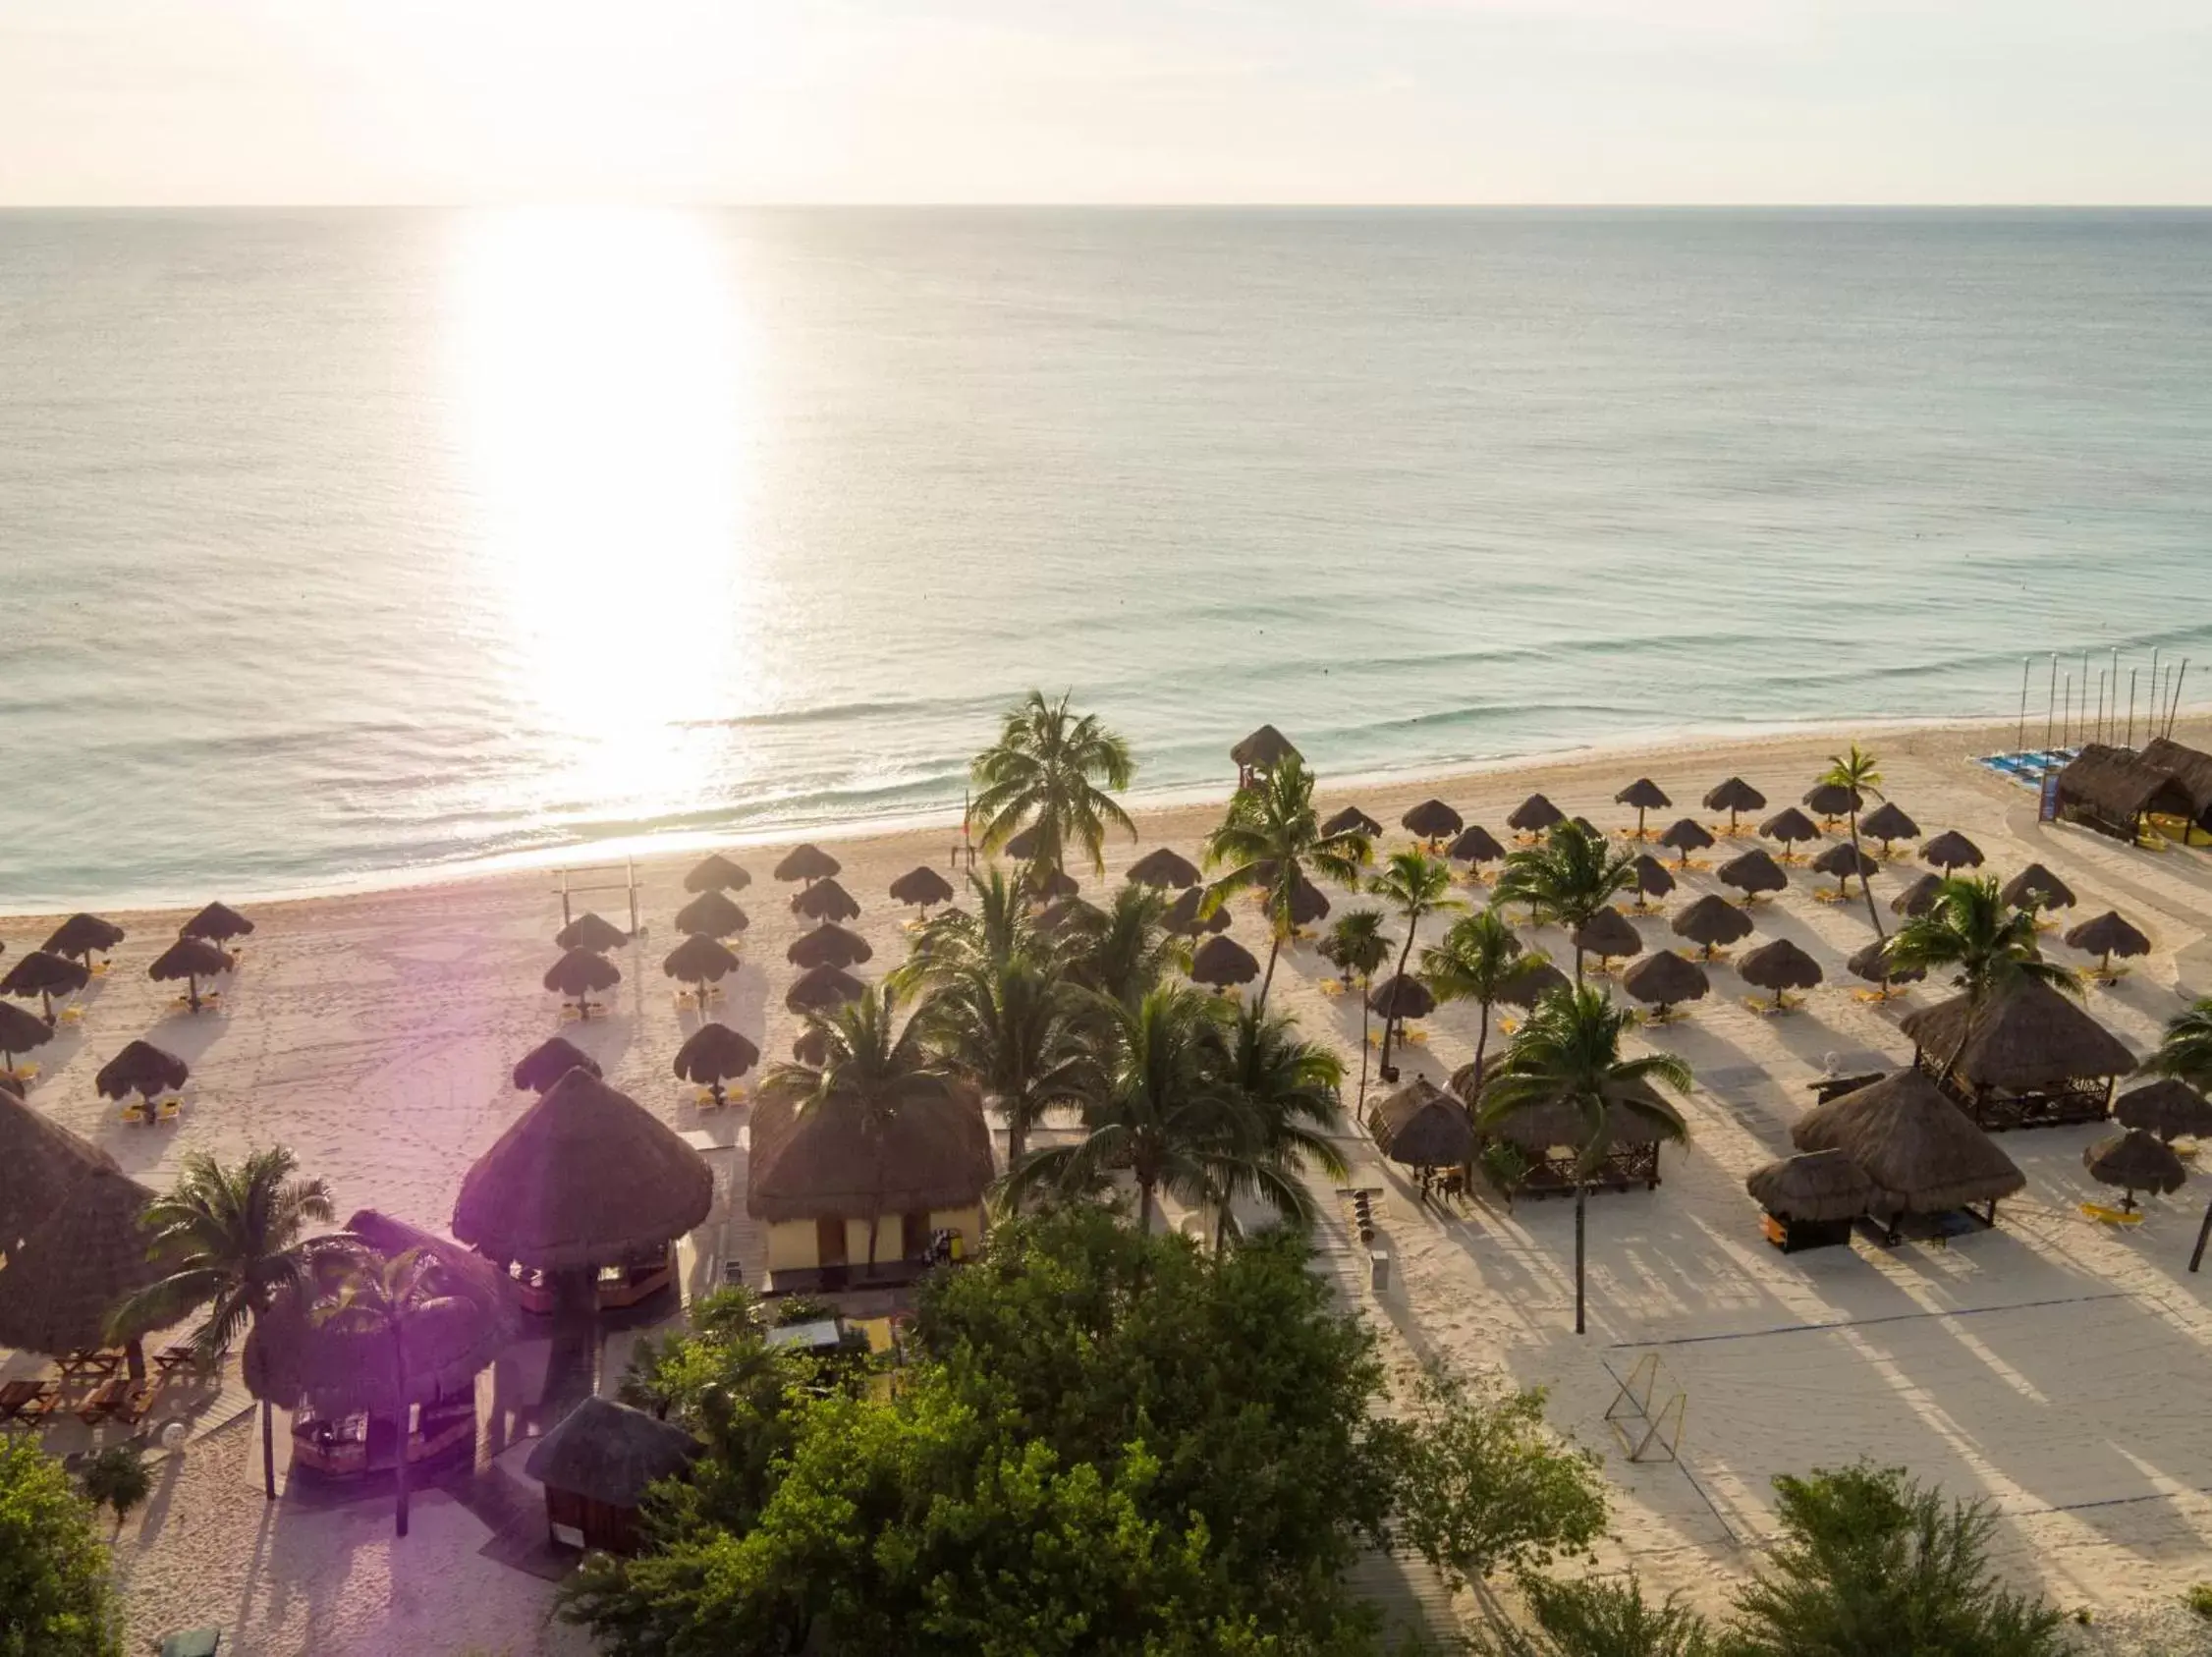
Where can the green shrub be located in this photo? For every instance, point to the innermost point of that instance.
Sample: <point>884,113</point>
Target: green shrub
<point>1602,1618</point>
<point>2198,1599</point>
<point>116,1479</point>
<point>55,1600</point>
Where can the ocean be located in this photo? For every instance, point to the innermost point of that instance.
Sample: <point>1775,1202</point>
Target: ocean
<point>350,545</point>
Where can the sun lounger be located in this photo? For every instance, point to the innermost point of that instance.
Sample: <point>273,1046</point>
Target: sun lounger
<point>134,1110</point>
<point>70,1015</point>
<point>2111,1216</point>
<point>193,1642</point>
<point>170,1110</point>
<point>21,1073</point>
<point>28,1402</point>
<point>116,1398</point>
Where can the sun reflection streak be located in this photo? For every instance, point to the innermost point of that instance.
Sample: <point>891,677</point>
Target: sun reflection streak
<point>605,385</point>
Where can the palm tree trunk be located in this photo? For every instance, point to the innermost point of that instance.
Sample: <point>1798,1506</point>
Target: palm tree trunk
<point>1016,1147</point>
<point>1143,1208</point>
<point>268,1449</point>
<point>1365,1016</point>
<point>1267,978</point>
<point>1867,890</point>
<point>134,1358</point>
<point>1582,1194</point>
<point>406,1413</point>
<point>1391,1021</point>
<point>1578,965</point>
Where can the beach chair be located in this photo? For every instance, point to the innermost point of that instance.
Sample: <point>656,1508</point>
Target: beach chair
<point>2104,1216</point>
<point>134,1110</point>
<point>193,1642</point>
<point>169,1110</point>
<point>24,1073</point>
<point>28,1402</point>
<point>1332,988</point>
<point>70,1015</point>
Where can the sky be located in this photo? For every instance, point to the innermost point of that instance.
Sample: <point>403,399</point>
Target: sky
<point>1123,101</point>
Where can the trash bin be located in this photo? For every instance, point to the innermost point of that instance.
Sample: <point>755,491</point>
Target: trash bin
<point>1378,1269</point>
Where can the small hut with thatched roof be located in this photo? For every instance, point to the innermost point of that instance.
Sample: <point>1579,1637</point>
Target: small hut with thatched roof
<point>1645,795</point>
<point>1609,935</point>
<point>1871,962</point>
<point>1474,846</point>
<point>817,1180</point>
<point>1887,823</point>
<point>75,1265</point>
<point>2170,1108</point>
<point>217,923</point>
<point>922,886</point>
<point>1712,922</point>
<point>1779,966</point>
<point>591,931</point>
<point>585,1180</point>
<point>1752,873</point>
<point>549,1061</point>
<point>1664,979</point>
<point>1831,801</point>
<point>1165,868</point>
<point>346,1388</point>
<point>1422,1127</point>
<point>819,988</point>
<point>2192,768</point>
<point>1683,836</point>
<point>41,1163</point>
<point>2036,888</point>
<point>2025,1057</point>
<point>1843,861</point>
<point>1918,898</point>
<point>1790,828</point>
<point>1431,821</point>
<point>1352,820</point>
<point>2106,937</point>
<point>1533,817</point>
<point>808,863</point>
<point>2112,791</point>
<point>1399,997</point>
<point>716,873</point>
<point>82,936</point>
<point>714,1055</point>
<point>1923,1157</point>
<point>21,1031</point>
<point>143,1068</point>
<point>2134,1161</point>
<point>1184,919</point>
<point>829,945</point>
<point>1654,880</point>
<point>45,977</point>
<point>825,900</point>
<point>1810,1199</point>
<point>1260,753</point>
<point>711,914</point>
<point>192,959</point>
<point>1733,797</point>
<point>699,960</point>
<point>596,1466</point>
<point>578,975</point>
<point>1223,962</point>
<point>1951,851</point>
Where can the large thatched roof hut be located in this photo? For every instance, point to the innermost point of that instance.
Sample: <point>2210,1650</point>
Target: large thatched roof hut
<point>596,1466</point>
<point>2025,1057</point>
<point>73,1266</point>
<point>1814,1185</point>
<point>2191,767</point>
<point>584,1178</point>
<point>1921,1152</point>
<point>1421,1126</point>
<point>2110,790</point>
<point>41,1163</point>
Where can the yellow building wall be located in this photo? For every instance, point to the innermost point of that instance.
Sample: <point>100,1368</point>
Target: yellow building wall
<point>792,1242</point>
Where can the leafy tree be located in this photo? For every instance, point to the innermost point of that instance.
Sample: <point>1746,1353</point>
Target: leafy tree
<point>1000,927</point>
<point>361,1291</point>
<point>1014,1027</point>
<point>1357,947</point>
<point>1050,770</point>
<point>1283,1095</point>
<point>55,1600</point>
<point>1988,944</point>
<point>1569,1051</point>
<point>873,1066</point>
<point>1860,772</point>
<point>1872,1561</point>
<point>1271,842</point>
<point>1483,1487</point>
<point>1126,952</point>
<point>116,1479</point>
<point>228,1238</point>
<point>2185,1051</point>
<point>1417,886</point>
<point>1567,879</point>
<point>1599,1617</point>
<point>1479,960</point>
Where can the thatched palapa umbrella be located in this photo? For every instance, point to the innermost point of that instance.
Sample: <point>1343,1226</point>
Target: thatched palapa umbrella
<point>75,1266</point>
<point>578,975</point>
<point>1814,1188</point>
<point>40,1164</point>
<point>810,1047</point>
<point>590,931</point>
<point>584,1178</point>
<point>82,936</point>
<point>1261,752</point>
<point>819,988</point>
<point>1918,898</point>
<point>2165,1107</point>
<point>2107,935</point>
<point>825,900</point>
<point>1184,919</point>
<point>1951,851</point>
<point>1222,963</point>
<point>143,1068</point>
<point>1474,846</point>
<point>1712,922</point>
<point>1431,821</point>
<point>20,1032</point>
<point>1790,827</point>
<point>1399,997</point>
<point>1918,1148</point>
<point>1752,873</point>
<point>1684,836</point>
<point>829,945</point>
<point>2134,1161</point>
<point>2037,887</point>
<point>1843,861</point>
<point>1871,962</point>
<point>45,977</point>
<point>1068,911</point>
<point>808,863</point>
<point>1047,885</point>
<point>699,960</point>
<point>1831,801</point>
<point>549,1061</point>
<point>1608,934</point>
<point>1534,816</point>
<point>192,959</point>
<point>1164,868</point>
<point>716,873</point>
<point>1422,1127</point>
<point>714,1055</point>
<point>1779,966</point>
<point>1733,797</point>
<point>1352,820</point>
<point>218,923</point>
<point>1025,843</point>
<point>1532,983</point>
<point>711,914</point>
<point>1652,880</point>
<point>1664,979</point>
<point>1887,823</point>
<point>921,887</point>
<point>1645,795</point>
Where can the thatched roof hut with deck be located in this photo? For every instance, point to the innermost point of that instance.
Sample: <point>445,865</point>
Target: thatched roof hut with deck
<point>596,1466</point>
<point>2112,791</point>
<point>2190,767</point>
<point>2026,1057</point>
<point>1421,1126</point>
<point>1922,1155</point>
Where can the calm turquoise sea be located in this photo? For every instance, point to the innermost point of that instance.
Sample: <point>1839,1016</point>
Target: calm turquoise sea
<point>341,544</point>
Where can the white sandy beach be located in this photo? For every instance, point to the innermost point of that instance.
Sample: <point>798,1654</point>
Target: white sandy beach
<point>2050,1366</point>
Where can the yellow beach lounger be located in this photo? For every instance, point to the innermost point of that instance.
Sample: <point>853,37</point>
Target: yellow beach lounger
<point>2109,1216</point>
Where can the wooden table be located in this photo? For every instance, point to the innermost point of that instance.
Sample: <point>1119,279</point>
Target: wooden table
<point>170,1359</point>
<point>88,1362</point>
<point>27,1400</point>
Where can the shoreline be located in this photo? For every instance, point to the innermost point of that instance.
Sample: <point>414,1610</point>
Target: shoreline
<point>650,850</point>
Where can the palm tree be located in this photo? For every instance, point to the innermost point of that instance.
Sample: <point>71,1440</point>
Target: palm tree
<point>1861,773</point>
<point>1416,885</point>
<point>1567,879</point>
<point>1129,950</point>
<point>230,1240</point>
<point>1284,1094</point>
<point>1017,1029</point>
<point>1357,947</point>
<point>1270,840</point>
<point>1479,960</point>
<point>2185,1053</point>
<point>1000,927</point>
<point>366,1293</point>
<point>1050,770</point>
<point>1970,928</point>
<point>1161,1111</point>
<point>874,1068</point>
<point>1570,1049</point>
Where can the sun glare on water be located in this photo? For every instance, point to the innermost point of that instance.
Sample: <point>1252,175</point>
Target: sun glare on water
<point>605,386</point>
